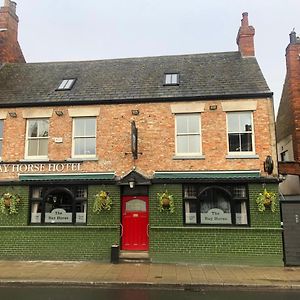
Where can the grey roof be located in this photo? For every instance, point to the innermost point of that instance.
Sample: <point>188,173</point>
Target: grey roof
<point>132,79</point>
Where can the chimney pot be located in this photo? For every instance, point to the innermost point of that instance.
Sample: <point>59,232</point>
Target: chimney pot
<point>12,5</point>
<point>245,21</point>
<point>245,37</point>
<point>293,37</point>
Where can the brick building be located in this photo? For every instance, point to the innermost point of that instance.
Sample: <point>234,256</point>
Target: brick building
<point>288,143</point>
<point>199,128</point>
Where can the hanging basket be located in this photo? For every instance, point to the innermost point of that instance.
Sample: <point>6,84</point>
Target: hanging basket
<point>9,203</point>
<point>266,199</point>
<point>102,201</point>
<point>166,202</point>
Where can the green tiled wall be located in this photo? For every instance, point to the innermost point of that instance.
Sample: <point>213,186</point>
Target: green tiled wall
<point>171,241</point>
<point>18,240</point>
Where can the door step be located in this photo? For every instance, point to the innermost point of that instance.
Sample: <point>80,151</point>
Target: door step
<point>134,256</point>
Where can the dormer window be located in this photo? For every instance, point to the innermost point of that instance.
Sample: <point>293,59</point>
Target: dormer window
<point>171,79</point>
<point>66,84</point>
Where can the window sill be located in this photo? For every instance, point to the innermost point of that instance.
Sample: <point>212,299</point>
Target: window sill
<point>242,156</point>
<point>83,159</point>
<point>29,159</point>
<point>186,157</point>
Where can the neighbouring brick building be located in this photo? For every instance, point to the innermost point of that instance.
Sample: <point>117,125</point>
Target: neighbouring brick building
<point>288,145</point>
<point>198,127</point>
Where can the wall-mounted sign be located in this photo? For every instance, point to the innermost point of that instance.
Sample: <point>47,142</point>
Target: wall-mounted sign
<point>39,167</point>
<point>134,139</point>
<point>216,216</point>
<point>58,215</point>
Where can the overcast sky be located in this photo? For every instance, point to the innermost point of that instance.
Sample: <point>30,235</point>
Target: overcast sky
<point>67,30</point>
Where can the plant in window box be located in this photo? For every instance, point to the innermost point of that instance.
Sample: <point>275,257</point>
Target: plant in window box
<point>166,202</point>
<point>9,203</point>
<point>102,201</point>
<point>266,199</point>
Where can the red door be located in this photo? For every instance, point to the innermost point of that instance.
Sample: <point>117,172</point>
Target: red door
<point>135,222</point>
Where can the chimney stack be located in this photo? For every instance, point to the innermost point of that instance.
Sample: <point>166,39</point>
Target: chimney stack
<point>10,51</point>
<point>245,37</point>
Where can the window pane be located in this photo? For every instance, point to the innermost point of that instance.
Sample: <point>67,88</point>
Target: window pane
<point>190,191</point>
<point>182,124</point>
<point>32,128</point>
<point>43,128</point>
<point>90,146</point>
<point>193,124</point>
<point>79,146</point>
<point>81,212</point>
<point>234,142</point>
<point>1,129</point>
<point>239,192</point>
<point>58,208</point>
<point>32,147</point>
<point>90,126</point>
<point>190,212</point>
<point>136,205</point>
<point>245,122</point>
<point>69,83</point>
<point>174,78</point>
<point>194,144</point>
<point>63,84</point>
<point>215,208</point>
<point>233,122</point>
<point>85,146</point>
<point>43,147</point>
<point>36,212</point>
<point>79,127</point>
<point>168,79</point>
<point>241,213</point>
<point>182,144</point>
<point>246,142</point>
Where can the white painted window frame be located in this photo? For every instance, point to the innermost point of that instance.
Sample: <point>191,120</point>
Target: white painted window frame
<point>35,157</point>
<point>187,154</point>
<point>82,137</point>
<point>241,153</point>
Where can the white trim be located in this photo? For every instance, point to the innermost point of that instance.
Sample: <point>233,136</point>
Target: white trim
<point>36,113</point>
<point>3,115</point>
<point>239,105</point>
<point>84,111</point>
<point>78,156</point>
<point>241,153</point>
<point>187,107</point>
<point>193,154</point>
<point>35,157</point>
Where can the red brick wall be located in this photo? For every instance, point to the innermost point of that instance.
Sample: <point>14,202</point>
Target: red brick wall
<point>293,92</point>
<point>156,139</point>
<point>10,50</point>
<point>245,37</point>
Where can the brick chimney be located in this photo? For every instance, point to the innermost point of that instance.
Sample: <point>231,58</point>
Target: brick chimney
<point>245,37</point>
<point>10,51</point>
<point>292,82</point>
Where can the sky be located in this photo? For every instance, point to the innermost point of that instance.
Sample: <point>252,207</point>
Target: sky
<point>71,30</point>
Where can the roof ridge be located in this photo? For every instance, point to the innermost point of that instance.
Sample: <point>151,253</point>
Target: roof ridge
<point>137,58</point>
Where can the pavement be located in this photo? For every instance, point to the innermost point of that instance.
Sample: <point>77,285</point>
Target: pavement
<point>179,276</point>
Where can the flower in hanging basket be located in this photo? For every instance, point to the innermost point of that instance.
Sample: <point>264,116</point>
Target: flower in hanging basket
<point>166,202</point>
<point>9,203</point>
<point>266,199</point>
<point>102,201</point>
